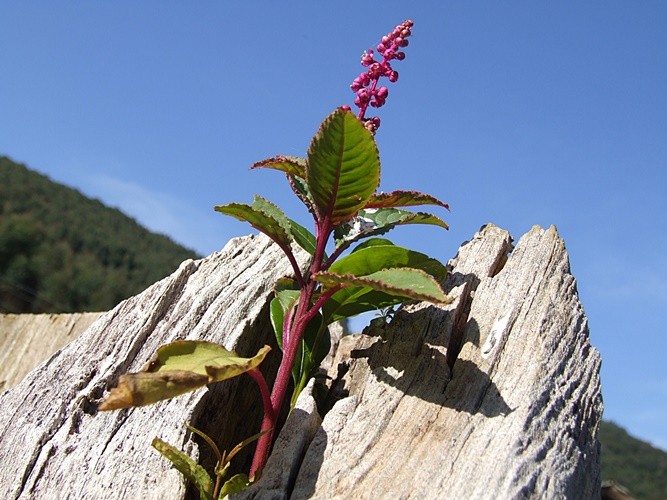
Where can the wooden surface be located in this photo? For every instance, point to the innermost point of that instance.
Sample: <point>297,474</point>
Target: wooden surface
<point>27,340</point>
<point>516,415</point>
<point>53,443</point>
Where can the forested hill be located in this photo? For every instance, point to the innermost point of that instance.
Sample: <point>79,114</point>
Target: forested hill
<point>63,252</point>
<point>633,463</point>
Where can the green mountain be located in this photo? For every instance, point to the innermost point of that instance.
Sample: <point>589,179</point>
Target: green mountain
<point>637,465</point>
<point>63,252</point>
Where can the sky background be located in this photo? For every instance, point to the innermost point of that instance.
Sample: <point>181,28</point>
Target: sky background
<point>516,113</point>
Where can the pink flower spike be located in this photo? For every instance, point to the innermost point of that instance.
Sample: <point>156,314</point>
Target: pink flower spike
<point>366,85</point>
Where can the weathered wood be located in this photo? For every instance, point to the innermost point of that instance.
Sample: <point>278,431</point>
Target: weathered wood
<point>516,416</point>
<point>26,340</point>
<point>53,443</point>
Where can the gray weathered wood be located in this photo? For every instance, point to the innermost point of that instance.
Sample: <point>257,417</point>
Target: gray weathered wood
<point>518,415</point>
<point>28,339</point>
<point>515,416</point>
<point>53,444</point>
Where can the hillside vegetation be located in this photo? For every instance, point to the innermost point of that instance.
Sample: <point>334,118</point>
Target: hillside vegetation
<point>633,463</point>
<point>63,252</point>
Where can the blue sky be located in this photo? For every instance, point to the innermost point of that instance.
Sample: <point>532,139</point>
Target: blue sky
<point>516,113</point>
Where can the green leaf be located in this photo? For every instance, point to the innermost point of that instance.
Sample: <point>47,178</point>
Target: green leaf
<point>373,242</point>
<point>314,348</point>
<point>280,304</point>
<point>315,343</point>
<point>272,210</point>
<point>177,368</point>
<point>373,221</point>
<point>258,219</point>
<point>289,164</point>
<point>402,199</point>
<point>368,257</point>
<point>403,282</point>
<point>353,300</point>
<point>304,238</point>
<point>302,192</point>
<point>194,472</point>
<point>234,484</point>
<point>374,258</point>
<point>343,168</point>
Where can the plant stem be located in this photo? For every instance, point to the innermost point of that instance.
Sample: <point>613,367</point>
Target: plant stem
<point>304,313</point>
<point>259,379</point>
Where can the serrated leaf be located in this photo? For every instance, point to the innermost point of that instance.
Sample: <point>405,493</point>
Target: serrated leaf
<point>343,167</point>
<point>188,467</point>
<point>403,282</point>
<point>258,219</point>
<point>289,164</point>
<point>372,222</point>
<point>402,199</point>
<point>178,368</point>
<point>368,257</point>
<point>272,210</point>
<point>374,258</point>
<point>302,192</point>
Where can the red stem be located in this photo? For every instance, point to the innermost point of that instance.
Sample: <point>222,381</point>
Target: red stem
<point>304,313</point>
<point>259,379</point>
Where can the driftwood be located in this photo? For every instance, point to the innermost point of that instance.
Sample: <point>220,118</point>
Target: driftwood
<point>494,396</point>
<point>53,442</point>
<point>28,339</point>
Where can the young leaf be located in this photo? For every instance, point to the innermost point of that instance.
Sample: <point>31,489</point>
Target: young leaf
<point>280,304</point>
<point>289,164</point>
<point>245,443</point>
<point>258,219</point>
<point>188,467</point>
<point>316,340</point>
<point>343,168</point>
<point>314,348</point>
<point>208,439</point>
<point>177,368</point>
<point>402,282</point>
<point>402,199</point>
<point>370,222</point>
<point>234,484</point>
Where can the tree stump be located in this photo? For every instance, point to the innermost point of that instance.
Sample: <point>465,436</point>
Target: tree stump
<point>496,395</point>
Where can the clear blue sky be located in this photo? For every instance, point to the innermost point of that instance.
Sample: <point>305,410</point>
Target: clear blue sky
<point>516,113</point>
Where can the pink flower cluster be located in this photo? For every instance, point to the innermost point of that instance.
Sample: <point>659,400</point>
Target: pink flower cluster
<point>366,84</point>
